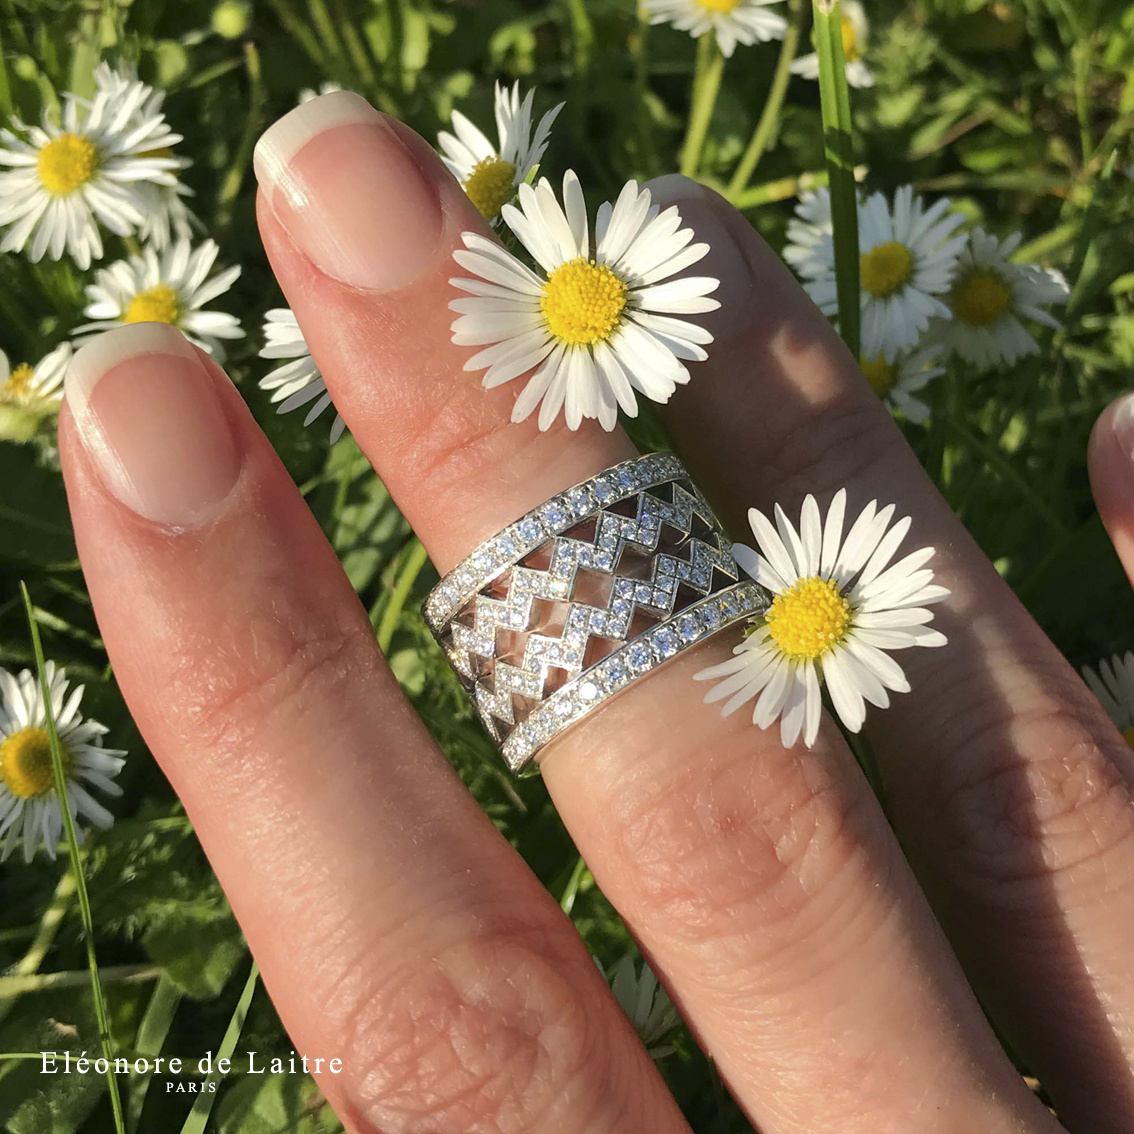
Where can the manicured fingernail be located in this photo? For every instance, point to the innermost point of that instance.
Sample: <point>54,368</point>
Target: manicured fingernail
<point>350,192</point>
<point>151,421</point>
<point>1123,425</point>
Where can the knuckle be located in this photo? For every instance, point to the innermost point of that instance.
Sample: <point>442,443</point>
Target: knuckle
<point>487,1033</point>
<point>732,851</point>
<point>840,445</point>
<point>1043,791</point>
<point>238,682</point>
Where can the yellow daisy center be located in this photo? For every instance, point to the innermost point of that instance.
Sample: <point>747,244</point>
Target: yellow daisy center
<point>66,162</point>
<point>18,383</point>
<point>980,298</point>
<point>810,619</point>
<point>157,305</point>
<point>25,763</point>
<point>718,5</point>
<point>852,50</point>
<point>583,302</point>
<point>880,374</point>
<point>1128,735</point>
<point>886,269</point>
<point>490,185</point>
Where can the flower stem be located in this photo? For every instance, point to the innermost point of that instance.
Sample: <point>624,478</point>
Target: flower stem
<point>76,866</point>
<point>416,559</point>
<point>834,101</point>
<point>706,85</point>
<point>773,104</point>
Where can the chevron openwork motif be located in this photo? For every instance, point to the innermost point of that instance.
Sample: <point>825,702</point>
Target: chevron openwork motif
<point>691,561</point>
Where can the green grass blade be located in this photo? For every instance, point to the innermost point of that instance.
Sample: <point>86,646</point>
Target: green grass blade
<point>202,1107</point>
<point>706,87</point>
<point>152,1033</point>
<point>834,101</point>
<point>76,867</point>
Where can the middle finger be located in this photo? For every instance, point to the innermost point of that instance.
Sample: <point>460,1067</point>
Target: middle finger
<point>765,884</point>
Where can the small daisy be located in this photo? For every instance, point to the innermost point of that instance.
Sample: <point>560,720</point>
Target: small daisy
<point>1113,685</point>
<point>989,297</point>
<point>29,807</point>
<point>489,174</point>
<point>297,382</point>
<point>170,288</point>
<point>856,32</point>
<point>38,388</point>
<point>596,325</point>
<point>165,216</point>
<point>907,259</point>
<point>646,1003</point>
<point>806,232</point>
<point>93,168</point>
<point>731,21</point>
<point>897,382</point>
<point>838,604</point>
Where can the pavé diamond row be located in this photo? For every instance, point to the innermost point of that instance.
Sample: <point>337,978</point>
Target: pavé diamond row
<point>584,595</point>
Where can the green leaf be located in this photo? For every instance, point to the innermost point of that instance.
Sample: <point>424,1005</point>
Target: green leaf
<point>199,949</point>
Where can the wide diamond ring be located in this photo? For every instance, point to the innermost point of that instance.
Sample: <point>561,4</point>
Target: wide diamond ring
<point>587,593</point>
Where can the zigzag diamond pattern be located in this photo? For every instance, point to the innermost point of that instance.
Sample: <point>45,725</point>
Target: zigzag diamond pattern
<point>656,596</point>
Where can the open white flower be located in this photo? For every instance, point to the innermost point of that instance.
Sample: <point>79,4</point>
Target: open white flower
<point>731,21</point>
<point>855,32</point>
<point>597,326</point>
<point>806,232</point>
<point>907,259</point>
<point>165,215</point>
<point>838,606</point>
<point>1113,685</point>
<point>490,174</point>
<point>37,388</point>
<point>171,288</point>
<point>897,383</point>
<point>646,1003</point>
<point>297,382</point>
<point>989,297</point>
<point>29,807</point>
<point>93,167</point>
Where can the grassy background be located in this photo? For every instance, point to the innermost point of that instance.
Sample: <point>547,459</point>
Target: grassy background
<point>1021,112</point>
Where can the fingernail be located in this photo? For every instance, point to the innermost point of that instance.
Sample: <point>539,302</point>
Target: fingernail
<point>150,419</point>
<point>711,218</point>
<point>350,192</point>
<point>1123,424</point>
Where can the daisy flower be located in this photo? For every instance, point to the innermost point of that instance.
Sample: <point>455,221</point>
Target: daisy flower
<point>989,297</point>
<point>297,382</point>
<point>856,31</point>
<point>170,288</point>
<point>90,169</point>
<point>806,232</point>
<point>646,1003</point>
<point>29,807</point>
<point>596,325</point>
<point>897,383</point>
<point>37,388</point>
<point>165,216</point>
<point>907,259</point>
<point>731,21</point>
<point>1113,685</point>
<point>489,174</point>
<point>838,606</point>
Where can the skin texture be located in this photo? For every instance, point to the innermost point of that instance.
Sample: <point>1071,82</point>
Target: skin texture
<point>397,931</point>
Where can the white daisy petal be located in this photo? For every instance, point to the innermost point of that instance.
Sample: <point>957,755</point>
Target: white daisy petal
<point>593,333</point>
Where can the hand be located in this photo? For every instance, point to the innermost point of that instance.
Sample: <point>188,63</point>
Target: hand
<point>395,929</point>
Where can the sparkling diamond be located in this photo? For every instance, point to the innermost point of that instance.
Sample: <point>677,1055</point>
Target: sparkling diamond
<point>640,656</point>
<point>665,642</point>
<point>688,627</point>
<point>588,691</point>
<point>616,673</point>
<point>554,514</point>
<point>530,530</point>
